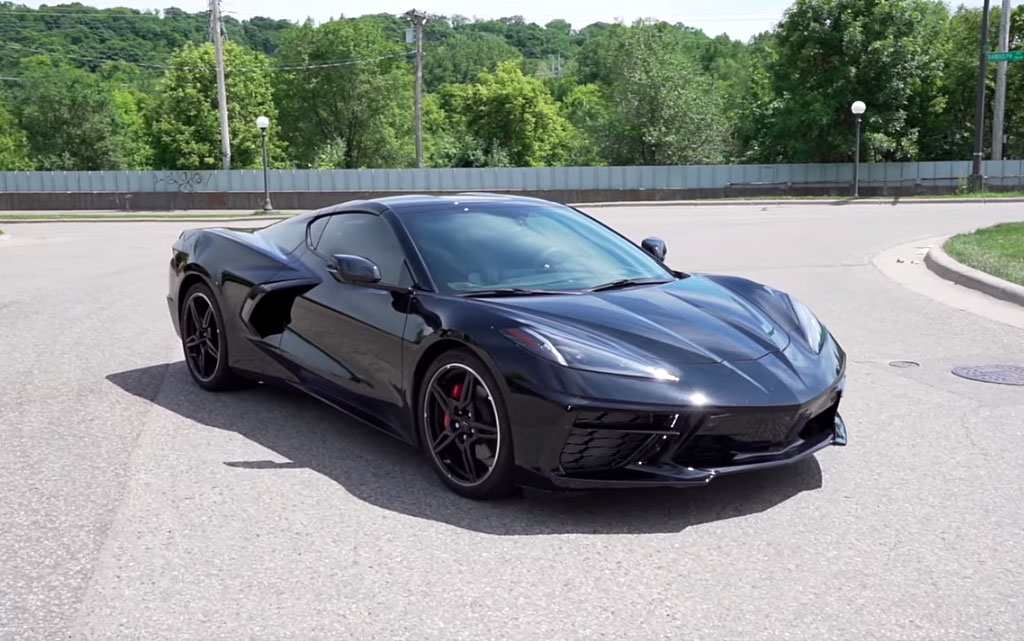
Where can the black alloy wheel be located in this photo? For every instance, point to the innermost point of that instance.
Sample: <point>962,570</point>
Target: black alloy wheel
<point>204,342</point>
<point>465,429</point>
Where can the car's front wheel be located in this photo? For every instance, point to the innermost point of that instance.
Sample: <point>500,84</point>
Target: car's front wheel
<point>204,341</point>
<point>465,427</point>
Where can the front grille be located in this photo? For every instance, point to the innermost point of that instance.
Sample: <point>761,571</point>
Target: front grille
<point>626,421</point>
<point>755,428</point>
<point>588,450</point>
<point>723,437</point>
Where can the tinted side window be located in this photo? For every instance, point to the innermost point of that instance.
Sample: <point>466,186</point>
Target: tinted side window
<point>368,236</point>
<point>317,229</point>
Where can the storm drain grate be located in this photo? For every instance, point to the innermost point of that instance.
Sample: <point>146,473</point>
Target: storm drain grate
<point>999,374</point>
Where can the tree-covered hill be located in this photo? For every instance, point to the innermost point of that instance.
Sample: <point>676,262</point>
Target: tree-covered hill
<point>85,88</point>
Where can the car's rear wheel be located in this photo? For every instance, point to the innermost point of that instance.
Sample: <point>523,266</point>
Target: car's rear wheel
<point>465,427</point>
<point>204,341</point>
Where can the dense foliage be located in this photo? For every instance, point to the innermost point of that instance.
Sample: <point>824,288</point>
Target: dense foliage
<point>185,126</point>
<point>350,115</point>
<point>84,88</point>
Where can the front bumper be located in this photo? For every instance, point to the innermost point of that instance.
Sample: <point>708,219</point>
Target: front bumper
<point>687,448</point>
<point>675,475</point>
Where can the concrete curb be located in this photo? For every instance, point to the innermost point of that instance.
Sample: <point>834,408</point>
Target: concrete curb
<point>943,265</point>
<point>892,202</point>
<point>709,202</point>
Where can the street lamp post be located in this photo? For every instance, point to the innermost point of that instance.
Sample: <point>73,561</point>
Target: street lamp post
<point>263,123</point>
<point>977,181</point>
<point>858,108</point>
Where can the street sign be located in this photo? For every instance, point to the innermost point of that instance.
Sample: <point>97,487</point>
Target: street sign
<point>1000,56</point>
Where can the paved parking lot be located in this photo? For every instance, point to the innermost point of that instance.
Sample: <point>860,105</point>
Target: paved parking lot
<point>135,506</point>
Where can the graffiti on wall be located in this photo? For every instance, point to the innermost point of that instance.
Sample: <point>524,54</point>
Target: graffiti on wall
<point>183,181</point>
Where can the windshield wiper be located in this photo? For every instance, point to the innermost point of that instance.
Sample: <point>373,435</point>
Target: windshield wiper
<point>628,282</point>
<point>512,291</point>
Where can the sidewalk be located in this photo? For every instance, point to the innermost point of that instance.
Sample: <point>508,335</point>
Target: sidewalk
<point>719,202</point>
<point>203,215</point>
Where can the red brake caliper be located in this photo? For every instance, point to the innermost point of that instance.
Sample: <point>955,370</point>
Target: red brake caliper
<point>456,394</point>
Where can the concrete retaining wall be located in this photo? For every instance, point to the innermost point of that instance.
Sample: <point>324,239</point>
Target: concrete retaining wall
<point>301,200</point>
<point>304,189</point>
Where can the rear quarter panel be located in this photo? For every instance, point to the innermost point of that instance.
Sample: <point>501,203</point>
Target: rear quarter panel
<point>232,262</point>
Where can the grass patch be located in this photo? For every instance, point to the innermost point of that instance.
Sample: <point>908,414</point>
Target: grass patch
<point>981,194</point>
<point>997,250</point>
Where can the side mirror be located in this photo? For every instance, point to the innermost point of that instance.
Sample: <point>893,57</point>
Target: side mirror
<point>655,247</point>
<point>354,269</point>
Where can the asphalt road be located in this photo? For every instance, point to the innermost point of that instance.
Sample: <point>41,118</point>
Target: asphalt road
<point>135,506</point>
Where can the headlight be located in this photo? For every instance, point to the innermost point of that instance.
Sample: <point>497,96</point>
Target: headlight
<point>590,353</point>
<point>813,331</point>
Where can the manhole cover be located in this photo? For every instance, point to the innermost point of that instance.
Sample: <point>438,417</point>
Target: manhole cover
<point>1000,374</point>
<point>904,364</point>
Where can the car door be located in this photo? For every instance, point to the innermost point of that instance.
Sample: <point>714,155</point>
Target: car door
<point>349,336</point>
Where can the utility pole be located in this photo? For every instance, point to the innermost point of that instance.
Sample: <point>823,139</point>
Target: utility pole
<point>418,18</point>
<point>222,94</point>
<point>1000,107</point>
<point>977,180</point>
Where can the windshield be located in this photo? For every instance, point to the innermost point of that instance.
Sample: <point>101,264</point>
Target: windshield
<point>474,246</point>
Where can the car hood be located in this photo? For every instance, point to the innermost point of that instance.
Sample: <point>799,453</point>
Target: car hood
<point>692,320</point>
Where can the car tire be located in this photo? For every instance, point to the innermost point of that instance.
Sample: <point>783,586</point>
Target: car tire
<point>204,340</point>
<point>490,458</point>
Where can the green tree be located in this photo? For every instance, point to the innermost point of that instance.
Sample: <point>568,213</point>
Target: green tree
<point>183,119</point>
<point>596,58</point>
<point>71,118</point>
<point>754,108</point>
<point>829,53</point>
<point>947,132</point>
<point>461,57</point>
<point>128,110</point>
<point>1014,125</point>
<point>507,115</point>
<point>587,109</point>
<point>444,139</point>
<point>525,36</point>
<point>262,33</point>
<point>558,39</point>
<point>86,36</point>
<point>667,110</point>
<point>362,96</point>
<point>14,153</point>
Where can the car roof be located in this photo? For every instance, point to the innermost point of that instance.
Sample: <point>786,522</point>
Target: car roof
<point>417,202</point>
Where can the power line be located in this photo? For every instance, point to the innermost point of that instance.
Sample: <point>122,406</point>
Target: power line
<point>277,68</point>
<point>100,13</point>
<point>723,17</point>
<point>83,14</point>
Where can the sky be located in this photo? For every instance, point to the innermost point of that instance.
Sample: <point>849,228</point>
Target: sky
<point>741,19</point>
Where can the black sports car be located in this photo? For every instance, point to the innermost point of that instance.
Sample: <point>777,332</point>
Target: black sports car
<point>517,341</point>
